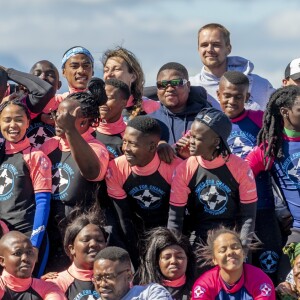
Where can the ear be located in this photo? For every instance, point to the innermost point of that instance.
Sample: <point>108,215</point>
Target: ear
<point>247,97</point>
<point>218,94</point>
<point>217,141</point>
<point>2,263</point>
<point>284,112</point>
<point>284,82</point>
<point>63,72</point>
<point>59,84</point>
<point>72,250</point>
<point>133,78</point>
<point>214,261</point>
<point>153,146</point>
<point>229,49</point>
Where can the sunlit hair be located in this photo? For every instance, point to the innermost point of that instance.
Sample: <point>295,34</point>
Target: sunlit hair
<point>91,100</point>
<point>17,102</point>
<point>205,252</point>
<point>114,254</point>
<point>146,125</point>
<point>271,132</point>
<point>135,68</point>
<point>235,77</point>
<point>174,66</point>
<point>157,240</point>
<point>77,220</point>
<point>212,26</point>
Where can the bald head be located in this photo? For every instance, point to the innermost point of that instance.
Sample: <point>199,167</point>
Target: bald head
<point>10,238</point>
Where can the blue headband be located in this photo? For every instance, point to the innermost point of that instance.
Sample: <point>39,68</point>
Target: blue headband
<point>74,51</point>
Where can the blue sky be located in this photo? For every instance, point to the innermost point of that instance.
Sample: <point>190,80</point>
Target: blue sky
<point>157,31</point>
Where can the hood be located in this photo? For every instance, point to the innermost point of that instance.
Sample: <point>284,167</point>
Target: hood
<point>240,64</point>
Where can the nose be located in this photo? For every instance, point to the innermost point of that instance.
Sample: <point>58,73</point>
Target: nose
<point>43,75</point>
<point>81,69</point>
<point>172,259</point>
<point>125,147</point>
<point>109,74</point>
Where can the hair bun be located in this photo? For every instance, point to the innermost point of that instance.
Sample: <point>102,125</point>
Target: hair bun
<point>96,87</point>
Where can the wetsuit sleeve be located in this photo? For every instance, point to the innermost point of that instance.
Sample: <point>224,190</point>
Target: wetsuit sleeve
<point>180,192</point>
<point>40,218</point>
<point>176,216</point>
<point>246,221</point>
<point>48,290</point>
<point>125,217</point>
<point>40,91</point>
<point>255,160</point>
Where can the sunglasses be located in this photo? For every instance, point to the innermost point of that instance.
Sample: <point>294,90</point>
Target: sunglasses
<point>161,85</point>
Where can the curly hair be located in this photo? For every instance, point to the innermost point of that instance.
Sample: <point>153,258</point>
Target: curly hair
<point>91,100</point>
<point>135,68</point>
<point>270,134</point>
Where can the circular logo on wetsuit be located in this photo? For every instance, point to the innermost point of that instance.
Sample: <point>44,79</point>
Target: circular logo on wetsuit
<point>39,133</point>
<point>7,181</point>
<point>61,178</point>
<point>213,196</point>
<point>292,168</point>
<point>269,261</point>
<point>148,197</point>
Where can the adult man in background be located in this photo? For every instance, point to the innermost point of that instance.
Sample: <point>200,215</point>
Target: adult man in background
<point>214,48</point>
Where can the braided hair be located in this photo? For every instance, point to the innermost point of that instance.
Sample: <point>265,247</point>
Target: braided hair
<point>90,100</point>
<point>270,134</point>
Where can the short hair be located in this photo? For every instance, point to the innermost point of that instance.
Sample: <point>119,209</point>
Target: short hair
<point>114,254</point>
<point>235,77</point>
<point>44,61</point>
<point>146,125</point>
<point>77,221</point>
<point>157,240</point>
<point>122,87</point>
<point>223,29</point>
<point>91,100</point>
<point>175,66</point>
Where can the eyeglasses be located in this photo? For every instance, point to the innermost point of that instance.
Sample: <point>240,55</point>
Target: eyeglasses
<point>161,85</point>
<point>107,277</point>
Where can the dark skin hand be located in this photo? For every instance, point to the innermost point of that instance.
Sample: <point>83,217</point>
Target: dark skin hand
<point>81,151</point>
<point>165,152</point>
<point>182,147</point>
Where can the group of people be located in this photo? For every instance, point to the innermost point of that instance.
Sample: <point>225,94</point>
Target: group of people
<point>186,190</point>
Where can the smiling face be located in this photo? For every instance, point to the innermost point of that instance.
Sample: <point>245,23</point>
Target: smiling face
<point>78,70</point>
<point>174,98</point>
<point>116,67</point>
<point>212,48</point>
<point>117,281</point>
<point>111,111</point>
<point>138,148</point>
<point>13,123</point>
<point>18,256</point>
<point>228,254</point>
<point>88,242</point>
<point>172,262</point>
<point>232,98</point>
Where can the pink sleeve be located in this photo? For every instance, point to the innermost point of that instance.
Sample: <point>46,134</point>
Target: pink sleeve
<point>4,227</point>
<point>53,104</point>
<point>39,166</point>
<point>244,176</point>
<point>63,280</point>
<point>48,290</point>
<point>181,179</point>
<point>255,160</point>
<point>115,177</point>
<point>149,106</point>
<point>103,156</point>
<point>201,290</point>
<point>167,170</point>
